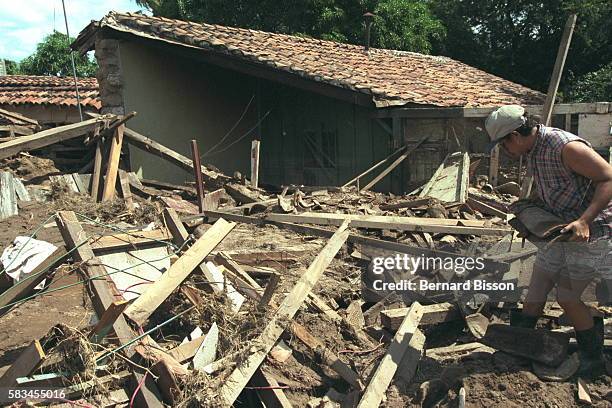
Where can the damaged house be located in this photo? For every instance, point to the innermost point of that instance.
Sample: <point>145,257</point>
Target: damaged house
<point>323,111</point>
<point>49,100</point>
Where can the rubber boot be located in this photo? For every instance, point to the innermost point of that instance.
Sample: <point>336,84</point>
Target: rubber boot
<point>590,351</point>
<point>519,319</point>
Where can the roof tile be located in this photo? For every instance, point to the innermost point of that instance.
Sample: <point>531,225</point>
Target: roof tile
<point>48,90</point>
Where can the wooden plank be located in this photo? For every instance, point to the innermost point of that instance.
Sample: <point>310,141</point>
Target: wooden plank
<point>433,225</point>
<point>20,190</point>
<point>553,86</point>
<point>211,200</point>
<point>393,165</point>
<point>49,137</point>
<point>78,181</point>
<point>168,186</point>
<point>148,145</point>
<point>486,208</point>
<point>494,166</point>
<point>126,193</point>
<point>374,167</point>
<point>380,381</point>
<point>255,163</point>
<point>269,391</point>
<point>112,165</point>
<point>186,351</point>
<point>126,241</point>
<point>406,204</point>
<point>241,375</point>
<point>157,292</point>
<point>450,181</point>
<point>199,184</point>
<point>27,361</point>
<point>432,314</point>
<point>105,324</point>
<point>97,170</point>
<point>8,198</point>
<point>410,361</point>
<point>23,288</point>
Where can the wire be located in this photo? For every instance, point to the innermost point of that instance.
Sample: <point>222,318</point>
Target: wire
<point>76,85</point>
<point>209,151</point>
<point>241,137</point>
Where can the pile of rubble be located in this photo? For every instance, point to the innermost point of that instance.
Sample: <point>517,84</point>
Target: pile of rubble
<point>223,293</point>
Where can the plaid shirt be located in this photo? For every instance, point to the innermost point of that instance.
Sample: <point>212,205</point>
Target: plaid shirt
<point>564,192</point>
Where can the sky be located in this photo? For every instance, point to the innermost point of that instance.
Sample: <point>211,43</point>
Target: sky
<point>24,23</point>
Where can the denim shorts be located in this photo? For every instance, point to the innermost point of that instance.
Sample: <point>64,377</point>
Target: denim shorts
<point>577,260</point>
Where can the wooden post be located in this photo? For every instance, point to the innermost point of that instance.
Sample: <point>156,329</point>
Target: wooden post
<point>195,154</point>
<point>494,166</point>
<point>124,182</point>
<point>552,88</point>
<point>255,163</point>
<point>113,164</point>
<point>97,167</point>
<point>387,367</point>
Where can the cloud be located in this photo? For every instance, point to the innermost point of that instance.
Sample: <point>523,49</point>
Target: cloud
<point>24,23</point>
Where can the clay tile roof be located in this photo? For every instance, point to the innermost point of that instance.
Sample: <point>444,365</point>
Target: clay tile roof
<point>48,90</point>
<point>390,77</point>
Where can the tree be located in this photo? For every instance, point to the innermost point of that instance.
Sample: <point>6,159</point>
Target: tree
<point>595,86</point>
<point>518,39</point>
<point>52,57</point>
<point>12,68</point>
<point>399,24</point>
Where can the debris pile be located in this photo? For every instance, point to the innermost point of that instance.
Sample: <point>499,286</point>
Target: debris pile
<point>224,293</point>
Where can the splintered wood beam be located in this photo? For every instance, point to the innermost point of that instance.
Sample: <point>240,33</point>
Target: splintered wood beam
<point>27,361</point>
<point>195,154</point>
<point>241,375</point>
<point>157,292</point>
<point>391,319</point>
<point>255,163</point>
<point>494,166</point>
<point>129,241</point>
<point>157,149</point>
<point>126,193</point>
<point>116,142</point>
<point>393,165</point>
<point>433,225</point>
<point>49,137</point>
<point>179,236</point>
<point>105,324</point>
<point>97,168</point>
<point>380,381</point>
<point>380,163</point>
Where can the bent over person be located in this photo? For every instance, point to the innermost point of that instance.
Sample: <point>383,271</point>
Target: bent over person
<point>575,184</point>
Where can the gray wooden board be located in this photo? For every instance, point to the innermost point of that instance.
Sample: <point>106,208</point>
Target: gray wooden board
<point>8,198</point>
<point>22,192</point>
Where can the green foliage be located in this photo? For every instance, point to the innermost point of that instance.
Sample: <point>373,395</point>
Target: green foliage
<point>518,39</point>
<point>399,24</point>
<point>52,57</point>
<point>595,86</point>
<point>12,68</point>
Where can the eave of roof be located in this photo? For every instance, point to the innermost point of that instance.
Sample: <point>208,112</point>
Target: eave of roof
<point>388,77</point>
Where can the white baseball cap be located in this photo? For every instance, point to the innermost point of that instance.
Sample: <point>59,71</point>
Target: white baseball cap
<point>503,121</point>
